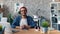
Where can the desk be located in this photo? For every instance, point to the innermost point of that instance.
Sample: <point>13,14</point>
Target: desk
<point>32,31</point>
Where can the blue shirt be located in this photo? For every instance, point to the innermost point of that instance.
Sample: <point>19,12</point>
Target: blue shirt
<point>16,21</point>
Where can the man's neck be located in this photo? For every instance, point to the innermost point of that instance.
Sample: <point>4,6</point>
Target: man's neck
<point>23,16</point>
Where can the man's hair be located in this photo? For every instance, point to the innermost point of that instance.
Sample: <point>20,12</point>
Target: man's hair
<point>21,8</point>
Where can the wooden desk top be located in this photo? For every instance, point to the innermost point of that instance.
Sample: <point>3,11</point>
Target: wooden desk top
<point>32,31</point>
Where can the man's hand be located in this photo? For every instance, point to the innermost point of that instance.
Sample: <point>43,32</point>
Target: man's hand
<point>25,26</point>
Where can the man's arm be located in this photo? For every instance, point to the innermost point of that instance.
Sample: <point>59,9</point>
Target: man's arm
<point>32,23</point>
<point>15,22</point>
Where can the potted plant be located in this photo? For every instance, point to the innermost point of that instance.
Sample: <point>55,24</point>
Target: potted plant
<point>45,25</point>
<point>1,29</point>
<point>10,19</point>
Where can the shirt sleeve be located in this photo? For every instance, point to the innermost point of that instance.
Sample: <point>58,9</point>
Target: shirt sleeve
<point>15,23</point>
<point>32,23</point>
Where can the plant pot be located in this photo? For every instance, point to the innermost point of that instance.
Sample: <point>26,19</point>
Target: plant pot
<point>2,31</point>
<point>44,29</point>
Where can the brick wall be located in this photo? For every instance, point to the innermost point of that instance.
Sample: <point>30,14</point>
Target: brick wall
<point>32,6</point>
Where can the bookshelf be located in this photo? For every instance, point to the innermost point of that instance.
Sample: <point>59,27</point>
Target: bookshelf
<point>55,15</point>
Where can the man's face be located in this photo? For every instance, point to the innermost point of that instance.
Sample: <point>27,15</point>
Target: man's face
<point>23,11</point>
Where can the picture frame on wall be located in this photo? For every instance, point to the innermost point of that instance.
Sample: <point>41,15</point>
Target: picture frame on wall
<point>17,6</point>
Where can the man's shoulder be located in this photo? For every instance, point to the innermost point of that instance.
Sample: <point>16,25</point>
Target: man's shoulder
<point>29,17</point>
<point>18,16</point>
